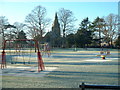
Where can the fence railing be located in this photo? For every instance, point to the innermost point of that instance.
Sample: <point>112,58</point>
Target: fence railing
<point>84,86</point>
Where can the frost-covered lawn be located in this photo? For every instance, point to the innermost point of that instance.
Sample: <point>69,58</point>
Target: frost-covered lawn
<point>71,69</point>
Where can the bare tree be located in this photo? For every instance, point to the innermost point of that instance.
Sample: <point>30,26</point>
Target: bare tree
<point>66,20</point>
<point>37,23</point>
<point>12,33</point>
<point>111,28</point>
<point>3,22</point>
<point>31,32</point>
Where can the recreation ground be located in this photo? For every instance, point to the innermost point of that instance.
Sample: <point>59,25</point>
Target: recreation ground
<point>64,68</point>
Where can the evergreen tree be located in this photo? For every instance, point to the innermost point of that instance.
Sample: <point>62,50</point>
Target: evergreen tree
<point>70,40</point>
<point>98,24</point>
<point>21,35</point>
<point>117,42</point>
<point>83,36</point>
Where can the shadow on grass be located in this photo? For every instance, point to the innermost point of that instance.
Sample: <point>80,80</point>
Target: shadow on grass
<point>85,57</point>
<point>83,63</point>
<point>93,74</point>
<point>72,63</point>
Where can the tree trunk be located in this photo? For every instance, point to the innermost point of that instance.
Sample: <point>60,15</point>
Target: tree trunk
<point>63,38</point>
<point>99,37</point>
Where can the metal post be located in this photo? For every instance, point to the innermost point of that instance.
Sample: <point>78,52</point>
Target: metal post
<point>40,62</point>
<point>3,63</point>
<point>83,86</point>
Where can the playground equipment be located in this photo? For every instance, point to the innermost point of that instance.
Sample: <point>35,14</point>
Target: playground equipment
<point>103,54</point>
<point>45,49</point>
<point>19,47</point>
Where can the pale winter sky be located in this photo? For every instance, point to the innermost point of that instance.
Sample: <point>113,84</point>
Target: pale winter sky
<point>17,10</point>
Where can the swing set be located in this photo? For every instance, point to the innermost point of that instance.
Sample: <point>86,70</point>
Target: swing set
<point>18,48</point>
<point>45,49</point>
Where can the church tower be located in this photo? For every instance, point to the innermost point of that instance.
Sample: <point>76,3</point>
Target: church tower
<point>56,27</point>
<point>54,37</point>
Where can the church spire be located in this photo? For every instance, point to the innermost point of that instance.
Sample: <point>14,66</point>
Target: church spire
<point>56,26</point>
<point>56,15</point>
<point>56,20</point>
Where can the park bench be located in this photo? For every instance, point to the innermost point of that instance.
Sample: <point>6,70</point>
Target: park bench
<point>84,86</point>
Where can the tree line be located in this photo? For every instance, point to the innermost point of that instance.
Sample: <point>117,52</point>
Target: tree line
<point>100,32</point>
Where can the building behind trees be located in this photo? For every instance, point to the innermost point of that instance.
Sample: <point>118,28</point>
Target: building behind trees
<point>54,37</point>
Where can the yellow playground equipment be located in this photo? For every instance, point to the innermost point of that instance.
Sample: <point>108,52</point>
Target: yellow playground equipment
<point>103,54</point>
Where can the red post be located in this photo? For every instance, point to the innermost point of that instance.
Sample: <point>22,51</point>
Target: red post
<point>40,61</point>
<point>3,62</point>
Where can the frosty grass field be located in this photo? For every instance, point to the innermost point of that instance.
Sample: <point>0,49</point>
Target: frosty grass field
<point>65,68</point>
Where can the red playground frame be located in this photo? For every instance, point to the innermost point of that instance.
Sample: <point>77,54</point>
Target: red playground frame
<point>40,61</point>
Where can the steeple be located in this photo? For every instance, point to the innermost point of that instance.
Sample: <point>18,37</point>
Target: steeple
<point>56,26</point>
<point>56,18</point>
